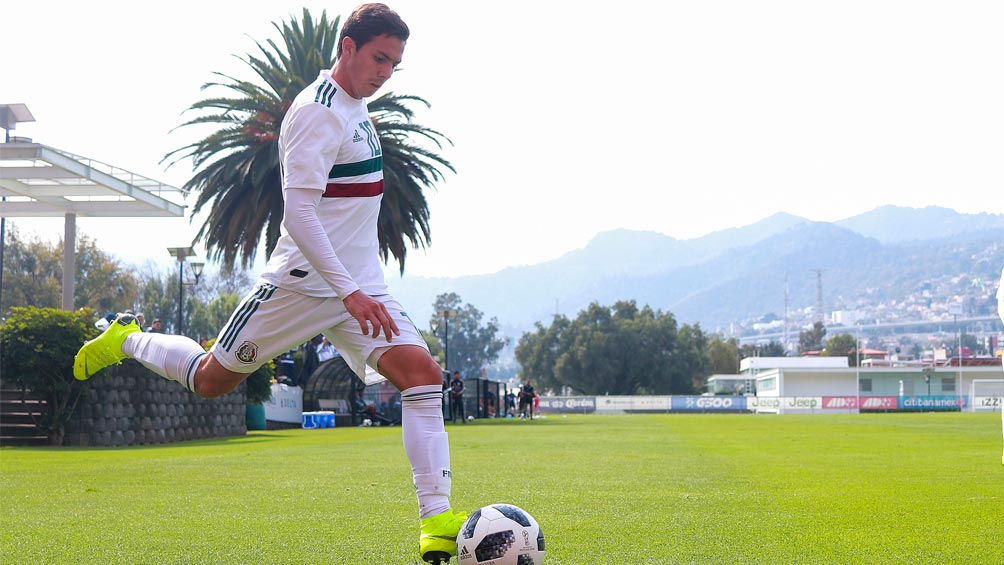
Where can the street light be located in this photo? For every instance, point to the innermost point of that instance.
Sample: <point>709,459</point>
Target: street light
<point>181,253</point>
<point>445,314</point>
<point>955,309</point>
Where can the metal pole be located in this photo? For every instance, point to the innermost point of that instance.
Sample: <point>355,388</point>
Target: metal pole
<point>3,240</point>
<point>958,387</point>
<point>857,370</point>
<point>181,290</point>
<point>446,341</point>
<point>69,259</point>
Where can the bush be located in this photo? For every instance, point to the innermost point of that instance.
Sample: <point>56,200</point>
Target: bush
<point>37,346</point>
<point>259,384</point>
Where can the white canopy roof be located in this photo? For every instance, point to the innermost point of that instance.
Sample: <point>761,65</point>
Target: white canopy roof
<point>42,181</point>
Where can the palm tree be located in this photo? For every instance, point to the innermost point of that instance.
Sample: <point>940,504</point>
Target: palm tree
<point>237,166</point>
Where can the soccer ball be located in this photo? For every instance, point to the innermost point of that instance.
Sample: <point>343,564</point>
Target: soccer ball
<point>470,418</point>
<point>500,534</point>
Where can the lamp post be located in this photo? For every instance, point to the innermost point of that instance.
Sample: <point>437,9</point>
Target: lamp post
<point>955,309</point>
<point>181,253</point>
<point>445,314</point>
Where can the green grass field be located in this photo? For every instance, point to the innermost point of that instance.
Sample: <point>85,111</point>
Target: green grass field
<point>884,488</point>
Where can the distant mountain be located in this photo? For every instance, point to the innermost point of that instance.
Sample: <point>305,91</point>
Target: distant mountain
<point>744,282</point>
<point>739,273</point>
<point>719,241</point>
<point>894,224</point>
<point>522,295</point>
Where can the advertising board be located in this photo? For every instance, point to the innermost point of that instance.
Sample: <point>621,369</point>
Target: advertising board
<point>932,402</point>
<point>709,403</point>
<point>633,403</point>
<point>567,404</point>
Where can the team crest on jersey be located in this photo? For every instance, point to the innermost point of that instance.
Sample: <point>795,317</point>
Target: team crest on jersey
<point>247,352</point>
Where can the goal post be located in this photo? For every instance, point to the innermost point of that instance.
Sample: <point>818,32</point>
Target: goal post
<point>986,395</point>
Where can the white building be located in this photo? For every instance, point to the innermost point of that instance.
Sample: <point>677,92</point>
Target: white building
<point>828,384</point>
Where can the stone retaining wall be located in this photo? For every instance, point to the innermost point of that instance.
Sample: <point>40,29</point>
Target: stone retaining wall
<point>130,405</point>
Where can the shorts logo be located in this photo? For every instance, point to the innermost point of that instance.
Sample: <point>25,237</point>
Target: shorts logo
<point>247,352</point>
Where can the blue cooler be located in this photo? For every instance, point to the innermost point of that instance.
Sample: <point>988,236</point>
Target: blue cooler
<point>310,421</point>
<point>326,419</point>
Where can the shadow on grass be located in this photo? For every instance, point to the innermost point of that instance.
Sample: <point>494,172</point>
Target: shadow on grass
<point>259,437</point>
<point>549,420</point>
<point>251,437</point>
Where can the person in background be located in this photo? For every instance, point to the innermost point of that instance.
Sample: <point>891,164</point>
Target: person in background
<point>103,323</point>
<point>526,395</point>
<point>457,398</point>
<point>325,350</point>
<point>155,326</point>
<point>310,361</point>
<point>489,403</point>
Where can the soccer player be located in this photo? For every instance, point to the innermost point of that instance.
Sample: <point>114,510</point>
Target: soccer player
<point>324,275</point>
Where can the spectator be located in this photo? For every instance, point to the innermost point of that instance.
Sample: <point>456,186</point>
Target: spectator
<point>103,323</point>
<point>394,408</point>
<point>489,403</point>
<point>457,398</point>
<point>510,403</point>
<point>526,395</point>
<point>141,319</point>
<point>325,351</point>
<point>310,361</point>
<point>155,327</point>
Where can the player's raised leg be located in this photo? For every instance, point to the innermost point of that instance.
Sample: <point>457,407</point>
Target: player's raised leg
<point>106,349</point>
<point>419,378</point>
<point>173,357</point>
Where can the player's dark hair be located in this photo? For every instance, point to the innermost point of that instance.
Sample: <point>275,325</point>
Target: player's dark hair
<point>369,21</point>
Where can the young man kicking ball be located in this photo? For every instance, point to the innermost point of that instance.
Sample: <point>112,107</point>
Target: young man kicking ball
<point>324,275</point>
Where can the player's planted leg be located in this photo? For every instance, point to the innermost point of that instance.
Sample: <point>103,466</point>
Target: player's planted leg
<point>438,540</point>
<point>427,446</point>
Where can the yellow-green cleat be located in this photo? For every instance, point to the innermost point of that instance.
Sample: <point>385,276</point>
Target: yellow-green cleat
<point>104,350</point>
<point>438,541</point>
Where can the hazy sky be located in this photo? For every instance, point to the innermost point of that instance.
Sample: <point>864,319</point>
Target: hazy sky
<point>677,117</point>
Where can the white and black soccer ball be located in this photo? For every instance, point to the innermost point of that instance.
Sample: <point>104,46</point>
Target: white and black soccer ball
<point>500,534</point>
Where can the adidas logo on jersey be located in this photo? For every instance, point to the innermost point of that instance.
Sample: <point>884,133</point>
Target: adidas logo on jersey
<point>356,138</point>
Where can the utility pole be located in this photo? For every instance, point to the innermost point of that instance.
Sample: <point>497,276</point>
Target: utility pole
<point>786,312</point>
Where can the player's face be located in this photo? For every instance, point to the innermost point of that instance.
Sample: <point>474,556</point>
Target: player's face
<point>371,65</point>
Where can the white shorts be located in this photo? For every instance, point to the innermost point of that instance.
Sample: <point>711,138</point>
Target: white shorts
<point>270,321</point>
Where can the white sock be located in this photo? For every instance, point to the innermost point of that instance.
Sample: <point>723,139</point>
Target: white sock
<point>427,446</point>
<point>173,357</point>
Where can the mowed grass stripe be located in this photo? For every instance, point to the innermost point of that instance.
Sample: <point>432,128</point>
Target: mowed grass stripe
<point>896,488</point>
